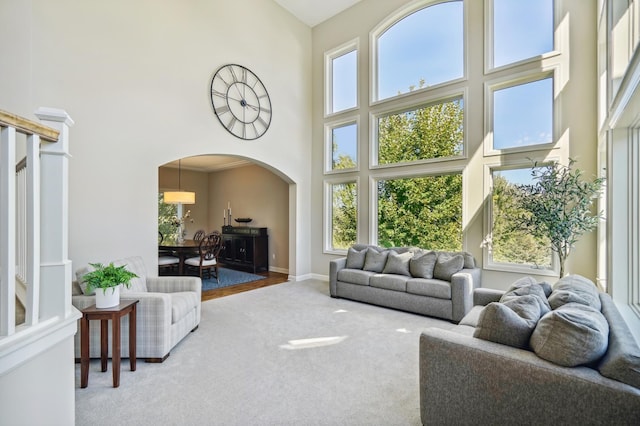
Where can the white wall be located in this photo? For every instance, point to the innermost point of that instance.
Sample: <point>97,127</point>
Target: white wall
<point>135,76</point>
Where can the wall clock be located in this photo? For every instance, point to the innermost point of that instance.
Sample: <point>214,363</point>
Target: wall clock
<point>240,101</point>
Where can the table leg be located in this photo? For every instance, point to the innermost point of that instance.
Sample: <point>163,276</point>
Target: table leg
<point>115,352</point>
<point>132,338</point>
<point>84,351</point>
<point>104,344</point>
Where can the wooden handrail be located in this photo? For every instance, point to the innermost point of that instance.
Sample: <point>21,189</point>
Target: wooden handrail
<point>29,127</point>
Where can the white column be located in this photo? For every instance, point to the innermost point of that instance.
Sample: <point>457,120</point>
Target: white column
<point>7,230</point>
<point>55,269</point>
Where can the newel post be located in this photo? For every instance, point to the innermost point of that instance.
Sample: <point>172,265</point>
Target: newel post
<point>55,266</point>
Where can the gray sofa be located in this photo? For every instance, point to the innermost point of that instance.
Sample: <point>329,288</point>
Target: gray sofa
<point>471,380</point>
<point>438,284</point>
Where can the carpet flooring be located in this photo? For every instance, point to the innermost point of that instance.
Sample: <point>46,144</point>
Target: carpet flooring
<point>229,277</point>
<point>287,354</point>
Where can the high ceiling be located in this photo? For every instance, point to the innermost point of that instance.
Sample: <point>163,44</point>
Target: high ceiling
<point>313,12</point>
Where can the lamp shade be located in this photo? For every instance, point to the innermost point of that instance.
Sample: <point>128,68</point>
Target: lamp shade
<point>179,197</point>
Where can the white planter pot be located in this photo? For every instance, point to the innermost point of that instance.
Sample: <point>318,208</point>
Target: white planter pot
<point>108,297</point>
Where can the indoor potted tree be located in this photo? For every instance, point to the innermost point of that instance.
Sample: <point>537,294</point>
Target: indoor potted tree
<point>557,206</point>
<point>107,281</point>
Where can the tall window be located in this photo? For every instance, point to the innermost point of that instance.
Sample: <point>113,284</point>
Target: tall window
<point>341,146</point>
<point>523,115</point>
<point>423,49</point>
<point>522,29</point>
<point>506,245</point>
<point>343,217</point>
<point>420,211</point>
<point>428,132</point>
<point>342,78</point>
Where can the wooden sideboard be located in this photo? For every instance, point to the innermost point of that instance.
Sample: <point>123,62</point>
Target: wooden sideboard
<point>245,248</point>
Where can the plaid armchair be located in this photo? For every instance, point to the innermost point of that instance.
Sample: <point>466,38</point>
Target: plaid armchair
<point>168,310</point>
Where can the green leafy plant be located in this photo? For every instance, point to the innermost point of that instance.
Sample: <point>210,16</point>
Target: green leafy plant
<point>110,276</point>
<point>557,206</point>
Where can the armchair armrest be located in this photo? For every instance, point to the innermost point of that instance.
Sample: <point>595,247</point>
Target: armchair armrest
<point>335,266</point>
<point>464,380</point>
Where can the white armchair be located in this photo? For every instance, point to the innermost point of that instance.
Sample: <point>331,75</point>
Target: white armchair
<point>168,310</point>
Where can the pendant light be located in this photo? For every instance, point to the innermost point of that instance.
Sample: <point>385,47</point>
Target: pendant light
<point>179,196</point>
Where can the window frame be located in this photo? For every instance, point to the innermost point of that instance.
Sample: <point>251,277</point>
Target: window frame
<point>487,258</point>
<point>489,37</point>
<point>327,225</point>
<point>390,21</point>
<point>391,108</point>
<point>329,56</point>
<point>512,80</point>
<point>328,144</point>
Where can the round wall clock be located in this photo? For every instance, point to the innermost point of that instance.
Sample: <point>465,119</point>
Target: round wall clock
<point>240,101</point>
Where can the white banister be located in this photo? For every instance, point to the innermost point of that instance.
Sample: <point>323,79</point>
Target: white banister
<point>32,272</point>
<point>7,230</point>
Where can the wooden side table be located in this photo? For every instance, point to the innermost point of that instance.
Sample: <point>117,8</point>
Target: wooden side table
<point>104,315</point>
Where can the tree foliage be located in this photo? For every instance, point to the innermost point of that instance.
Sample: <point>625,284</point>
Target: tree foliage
<point>557,206</point>
<point>166,213</point>
<point>344,215</point>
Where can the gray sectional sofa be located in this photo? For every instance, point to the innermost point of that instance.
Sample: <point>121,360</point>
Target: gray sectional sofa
<point>438,284</point>
<point>535,354</point>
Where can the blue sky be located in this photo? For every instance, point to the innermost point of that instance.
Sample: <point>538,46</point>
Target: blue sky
<point>428,44</point>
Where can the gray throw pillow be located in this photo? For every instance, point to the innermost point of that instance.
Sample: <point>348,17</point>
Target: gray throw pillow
<point>421,264</point>
<point>528,286</point>
<point>510,323</point>
<point>375,260</point>
<point>397,263</point>
<point>572,335</point>
<point>447,266</point>
<point>574,289</point>
<point>355,258</point>
<point>469,261</point>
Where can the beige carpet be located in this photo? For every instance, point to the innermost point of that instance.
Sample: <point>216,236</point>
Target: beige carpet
<point>281,355</point>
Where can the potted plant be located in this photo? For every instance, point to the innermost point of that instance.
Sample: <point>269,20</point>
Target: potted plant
<point>107,281</point>
<point>557,206</point>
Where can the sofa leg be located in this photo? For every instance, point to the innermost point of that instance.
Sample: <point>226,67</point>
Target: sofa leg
<point>195,328</point>
<point>157,360</point>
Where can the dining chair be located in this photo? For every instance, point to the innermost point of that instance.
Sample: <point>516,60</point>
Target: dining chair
<point>207,260</point>
<point>167,263</point>
<point>199,234</point>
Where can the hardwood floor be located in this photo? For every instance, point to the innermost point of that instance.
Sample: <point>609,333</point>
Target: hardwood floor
<point>273,278</point>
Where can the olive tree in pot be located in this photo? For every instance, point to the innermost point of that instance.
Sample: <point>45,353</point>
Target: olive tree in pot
<point>557,206</point>
<point>107,281</point>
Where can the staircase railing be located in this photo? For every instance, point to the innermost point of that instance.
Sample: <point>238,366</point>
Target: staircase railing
<point>34,264</point>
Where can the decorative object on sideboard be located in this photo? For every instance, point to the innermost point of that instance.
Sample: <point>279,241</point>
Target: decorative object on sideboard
<point>243,219</point>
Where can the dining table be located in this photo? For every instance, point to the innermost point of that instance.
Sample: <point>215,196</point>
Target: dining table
<point>181,249</point>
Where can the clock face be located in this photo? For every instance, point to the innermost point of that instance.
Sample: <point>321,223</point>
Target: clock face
<point>240,101</point>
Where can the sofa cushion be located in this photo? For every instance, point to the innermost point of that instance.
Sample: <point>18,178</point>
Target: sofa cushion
<point>622,360</point>
<point>355,258</point>
<point>389,281</point>
<point>80,273</point>
<point>447,265</point>
<point>375,260</point>
<point>529,286</point>
<point>182,303</point>
<point>571,335</point>
<point>429,287</point>
<point>473,317</point>
<point>574,289</point>
<point>510,323</point>
<point>397,263</point>
<point>134,264</point>
<point>354,276</point>
<point>422,263</point>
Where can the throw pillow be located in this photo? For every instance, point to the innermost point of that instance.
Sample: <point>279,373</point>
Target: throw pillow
<point>571,335</point>
<point>375,260</point>
<point>574,289</point>
<point>528,286</point>
<point>397,263</point>
<point>355,258</point>
<point>80,273</point>
<point>510,323</point>
<point>447,266</point>
<point>469,261</point>
<point>421,265</point>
